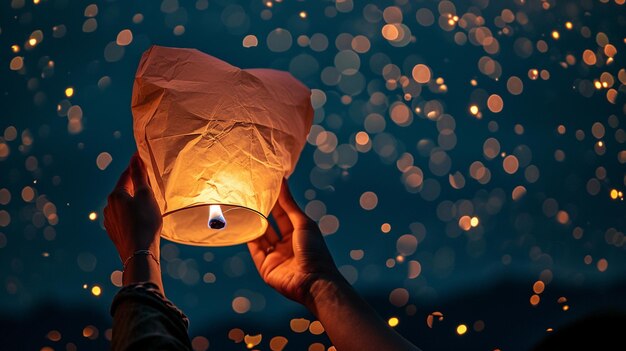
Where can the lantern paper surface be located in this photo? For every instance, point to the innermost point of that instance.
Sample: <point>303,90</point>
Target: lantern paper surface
<point>211,133</point>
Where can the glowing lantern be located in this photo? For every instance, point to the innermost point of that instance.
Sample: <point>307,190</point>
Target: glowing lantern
<point>216,141</point>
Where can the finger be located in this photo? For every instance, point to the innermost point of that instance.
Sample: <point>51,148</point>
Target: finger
<point>266,242</point>
<point>258,248</point>
<point>271,236</point>
<point>138,173</point>
<point>105,222</point>
<point>119,195</point>
<point>125,182</point>
<point>105,212</point>
<point>282,220</point>
<point>295,214</point>
<point>143,191</point>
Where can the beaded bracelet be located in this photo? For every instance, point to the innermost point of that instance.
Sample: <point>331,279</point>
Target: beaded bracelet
<point>141,252</point>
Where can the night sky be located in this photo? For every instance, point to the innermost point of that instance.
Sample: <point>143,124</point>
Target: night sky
<point>466,165</point>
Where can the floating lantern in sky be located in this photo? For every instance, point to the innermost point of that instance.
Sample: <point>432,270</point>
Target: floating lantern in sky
<point>216,141</point>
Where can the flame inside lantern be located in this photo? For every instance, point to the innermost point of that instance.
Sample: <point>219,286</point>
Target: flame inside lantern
<point>216,217</point>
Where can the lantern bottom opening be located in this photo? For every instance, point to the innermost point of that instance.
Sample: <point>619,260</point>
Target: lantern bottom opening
<point>189,226</point>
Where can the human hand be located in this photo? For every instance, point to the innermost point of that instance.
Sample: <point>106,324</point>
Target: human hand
<point>132,217</point>
<point>299,266</point>
<point>292,264</point>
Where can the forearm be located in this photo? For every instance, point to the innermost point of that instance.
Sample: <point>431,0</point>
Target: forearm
<point>143,268</point>
<point>350,322</point>
<point>143,319</point>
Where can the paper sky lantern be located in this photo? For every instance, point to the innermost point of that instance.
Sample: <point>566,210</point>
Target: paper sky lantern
<point>217,141</point>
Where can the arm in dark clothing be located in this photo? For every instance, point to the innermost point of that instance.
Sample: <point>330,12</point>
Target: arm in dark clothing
<point>143,319</point>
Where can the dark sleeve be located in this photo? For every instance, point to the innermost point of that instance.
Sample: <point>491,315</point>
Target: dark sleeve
<point>143,319</point>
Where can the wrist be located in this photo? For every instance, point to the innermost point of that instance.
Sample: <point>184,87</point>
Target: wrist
<point>326,290</point>
<point>135,256</point>
<point>141,268</point>
<point>131,249</point>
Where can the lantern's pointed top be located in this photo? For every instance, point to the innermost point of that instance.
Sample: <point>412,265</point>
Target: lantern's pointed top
<point>214,88</point>
<point>180,63</point>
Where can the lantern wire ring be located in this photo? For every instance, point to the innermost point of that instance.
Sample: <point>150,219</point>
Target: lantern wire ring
<point>233,207</point>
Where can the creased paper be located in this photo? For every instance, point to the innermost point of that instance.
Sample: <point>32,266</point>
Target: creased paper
<point>211,133</point>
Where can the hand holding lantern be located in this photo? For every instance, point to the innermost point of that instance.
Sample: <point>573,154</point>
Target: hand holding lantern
<point>131,217</point>
<point>133,221</point>
<point>292,263</point>
<point>299,266</point>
